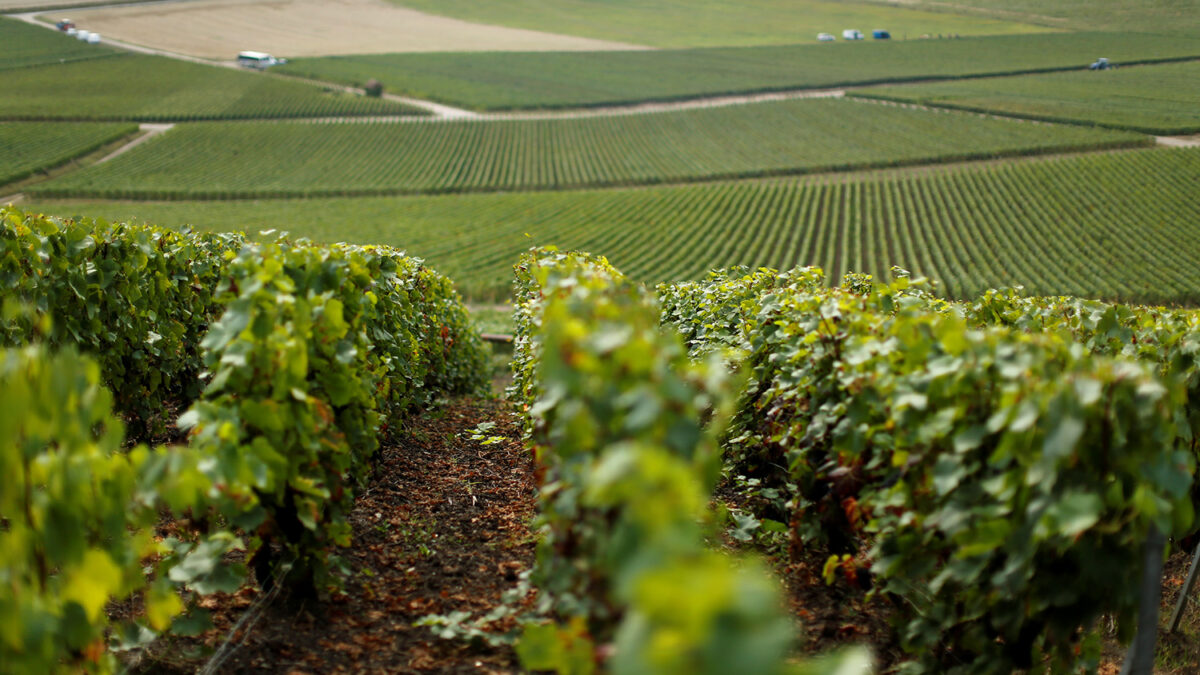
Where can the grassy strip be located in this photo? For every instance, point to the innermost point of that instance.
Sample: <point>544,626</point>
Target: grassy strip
<point>1178,17</point>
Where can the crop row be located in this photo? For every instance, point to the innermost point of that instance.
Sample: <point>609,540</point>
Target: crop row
<point>979,461</point>
<point>624,427</point>
<point>1161,99</point>
<point>148,88</point>
<point>28,147</point>
<point>305,350</point>
<point>1116,225</point>
<point>786,137</point>
<point>498,81</point>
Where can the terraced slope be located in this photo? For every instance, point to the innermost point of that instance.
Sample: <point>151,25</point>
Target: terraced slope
<point>243,160</point>
<point>1117,225</point>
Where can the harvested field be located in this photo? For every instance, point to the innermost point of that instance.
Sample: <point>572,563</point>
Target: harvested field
<point>219,29</point>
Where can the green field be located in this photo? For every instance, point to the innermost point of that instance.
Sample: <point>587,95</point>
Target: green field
<point>1162,99</point>
<point>250,159</point>
<point>567,79</point>
<point>148,88</point>
<point>710,23</point>
<point>23,45</point>
<point>1150,16</point>
<point>1116,225</point>
<point>29,147</point>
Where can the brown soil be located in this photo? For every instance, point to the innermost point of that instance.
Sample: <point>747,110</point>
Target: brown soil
<point>219,29</point>
<point>442,527</point>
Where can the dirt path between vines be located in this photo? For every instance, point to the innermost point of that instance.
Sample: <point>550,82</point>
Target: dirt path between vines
<point>441,527</point>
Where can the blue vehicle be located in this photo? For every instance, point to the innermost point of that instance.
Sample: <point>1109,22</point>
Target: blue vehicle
<point>881,35</point>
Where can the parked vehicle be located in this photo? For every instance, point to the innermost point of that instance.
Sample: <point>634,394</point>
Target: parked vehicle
<point>824,37</point>
<point>259,60</point>
<point>852,34</point>
<point>881,35</point>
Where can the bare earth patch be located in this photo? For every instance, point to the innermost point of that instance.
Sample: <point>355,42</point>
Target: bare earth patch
<point>219,29</point>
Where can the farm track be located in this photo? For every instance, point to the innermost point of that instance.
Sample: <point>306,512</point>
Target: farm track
<point>148,131</point>
<point>444,112</point>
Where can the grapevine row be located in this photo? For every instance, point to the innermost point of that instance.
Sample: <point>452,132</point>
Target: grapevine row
<point>306,352</point>
<point>614,411</point>
<point>209,161</point>
<point>31,147</point>
<point>992,475</point>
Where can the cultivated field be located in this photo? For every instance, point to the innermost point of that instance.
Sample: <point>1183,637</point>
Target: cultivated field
<point>1120,225</point>
<point>147,88</point>
<point>22,45</point>
<point>219,29</point>
<point>713,22</point>
<point>1163,99</point>
<point>788,137</point>
<point>27,147</point>
<point>547,80</point>
<point>1150,16</point>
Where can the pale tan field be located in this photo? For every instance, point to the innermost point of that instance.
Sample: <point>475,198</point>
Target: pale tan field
<point>219,29</point>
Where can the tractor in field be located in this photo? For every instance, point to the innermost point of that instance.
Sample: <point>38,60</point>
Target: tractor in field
<point>1101,64</point>
<point>65,25</point>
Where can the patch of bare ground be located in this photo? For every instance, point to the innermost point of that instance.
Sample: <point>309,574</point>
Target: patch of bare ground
<point>1177,653</point>
<point>441,527</point>
<point>219,29</point>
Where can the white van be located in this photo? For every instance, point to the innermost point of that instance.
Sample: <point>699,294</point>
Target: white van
<point>852,34</point>
<point>259,60</point>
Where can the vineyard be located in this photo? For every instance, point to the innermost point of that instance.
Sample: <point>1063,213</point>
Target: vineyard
<point>710,22</point>
<point>989,478</point>
<point>150,88</point>
<point>210,161</point>
<point>899,379</point>
<point>22,45</point>
<point>515,80</point>
<point>1163,99</point>
<point>291,361</point>
<point>1118,225</point>
<point>28,147</point>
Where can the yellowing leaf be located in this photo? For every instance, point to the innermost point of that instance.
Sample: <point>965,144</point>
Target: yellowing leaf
<point>161,606</point>
<point>92,582</point>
